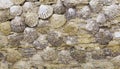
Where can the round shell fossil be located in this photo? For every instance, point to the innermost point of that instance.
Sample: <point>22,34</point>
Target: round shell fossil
<point>13,57</point>
<point>31,19</point>
<point>96,5</point>
<point>59,8</point>
<point>30,34</point>
<point>57,20</point>
<point>17,24</point>
<point>16,10</point>
<point>18,1</point>
<point>64,57</point>
<point>84,12</point>
<point>101,18</point>
<point>4,4</point>
<point>41,42</point>
<point>27,6</point>
<point>92,26</point>
<point>4,15</point>
<point>49,54</point>
<point>112,11</point>
<point>45,11</point>
<point>5,28</point>
<point>103,36</point>
<point>70,13</point>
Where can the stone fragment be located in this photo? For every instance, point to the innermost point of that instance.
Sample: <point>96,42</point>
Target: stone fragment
<point>57,20</point>
<point>15,10</point>
<point>31,19</point>
<point>13,55</point>
<point>45,11</point>
<point>49,54</point>
<point>5,28</point>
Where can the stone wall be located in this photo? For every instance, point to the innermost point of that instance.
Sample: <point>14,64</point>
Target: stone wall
<point>59,34</point>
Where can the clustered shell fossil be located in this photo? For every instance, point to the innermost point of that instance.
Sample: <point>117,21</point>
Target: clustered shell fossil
<point>45,11</point>
<point>38,32</point>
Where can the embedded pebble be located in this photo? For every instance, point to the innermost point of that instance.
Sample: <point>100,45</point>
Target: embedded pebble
<point>5,28</point>
<point>59,8</point>
<point>13,55</point>
<point>30,34</point>
<point>31,19</point>
<point>57,20</point>
<point>15,10</point>
<point>17,24</point>
<point>45,11</point>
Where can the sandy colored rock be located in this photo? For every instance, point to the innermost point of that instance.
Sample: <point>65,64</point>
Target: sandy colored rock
<point>13,55</point>
<point>5,28</point>
<point>57,21</point>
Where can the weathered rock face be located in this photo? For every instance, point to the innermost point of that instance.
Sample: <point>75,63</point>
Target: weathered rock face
<point>59,34</point>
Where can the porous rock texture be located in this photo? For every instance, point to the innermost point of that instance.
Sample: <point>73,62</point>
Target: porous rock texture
<point>59,34</point>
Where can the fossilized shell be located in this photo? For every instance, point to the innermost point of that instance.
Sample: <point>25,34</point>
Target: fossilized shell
<point>101,18</point>
<point>103,37</point>
<point>31,19</point>
<point>4,4</point>
<point>45,11</point>
<point>27,6</point>
<point>59,8</point>
<point>17,24</point>
<point>96,5</point>
<point>70,13</point>
<point>49,54</point>
<point>92,26</point>
<point>48,1</point>
<point>41,42</point>
<point>5,28</point>
<point>57,21</point>
<point>16,10</point>
<point>14,39</point>
<point>4,15</point>
<point>18,1</point>
<point>22,64</point>
<point>30,34</point>
<point>70,3</point>
<point>13,57</point>
<point>27,52</point>
<point>64,57</point>
<point>71,28</point>
<point>36,60</point>
<point>78,55</point>
<point>55,38</point>
<point>112,11</point>
<point>85,12</point>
